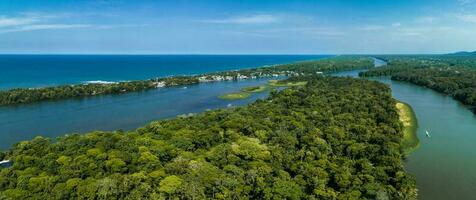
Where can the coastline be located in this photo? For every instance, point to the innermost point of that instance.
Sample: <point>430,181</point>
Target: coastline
<point>302,68</point>
<point>32,71</point>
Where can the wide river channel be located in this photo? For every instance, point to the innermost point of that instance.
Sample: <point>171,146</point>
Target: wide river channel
<point>444,165</point>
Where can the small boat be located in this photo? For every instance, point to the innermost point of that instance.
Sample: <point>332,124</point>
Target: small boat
<point>5,163</point>
<point>427,133</point>
<point>229,105</point>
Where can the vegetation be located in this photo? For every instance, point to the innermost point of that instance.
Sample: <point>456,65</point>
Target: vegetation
<point>440,74</point>
<point>330,65</point>
<point>286,83</point>
<point>446,60</point>
<point>19,96</point>
<point>408,118</point>
<point>235,96</point>
<point>334,138</point>
<point>245,93</point>
<point>255,89</point>
<point>463,53</point>
<point>23,95</point>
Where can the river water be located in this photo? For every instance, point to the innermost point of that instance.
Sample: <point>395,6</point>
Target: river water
<point>445,163</point>
<point>112,112</point>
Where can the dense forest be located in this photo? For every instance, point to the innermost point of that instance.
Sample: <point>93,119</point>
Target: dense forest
<point>444,60</point>
<point>333,138</point>
<point>451,76</point>
<point>25,95</point>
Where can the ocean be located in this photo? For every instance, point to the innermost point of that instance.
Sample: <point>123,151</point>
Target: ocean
<point>112,112</point>
<point>31,71</point>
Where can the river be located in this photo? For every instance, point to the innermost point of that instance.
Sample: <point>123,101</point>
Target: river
<point>112,112</point>
<point>445,163</point>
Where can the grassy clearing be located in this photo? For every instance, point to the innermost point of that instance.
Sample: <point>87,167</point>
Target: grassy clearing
<point>410,139</point>
<point>278,83</point>
<point>235,96</point>
<point>255,89</point>
<point>246,92</point>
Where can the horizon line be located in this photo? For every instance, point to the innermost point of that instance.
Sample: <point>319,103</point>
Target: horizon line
<point>221,54</point>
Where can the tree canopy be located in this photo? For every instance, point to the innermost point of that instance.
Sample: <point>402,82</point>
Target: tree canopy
<point>333,138</point>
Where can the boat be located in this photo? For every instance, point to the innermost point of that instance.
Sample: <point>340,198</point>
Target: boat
<point>5,163</point>
<point>427,133</point>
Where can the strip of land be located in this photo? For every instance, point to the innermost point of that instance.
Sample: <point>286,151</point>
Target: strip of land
<point>410,125</point>
<point>306,68</point>
<point>235,96</point>
<point>255,89</point>
<point>335,138</point>
<point>285,83</point>
<point>247,91</point>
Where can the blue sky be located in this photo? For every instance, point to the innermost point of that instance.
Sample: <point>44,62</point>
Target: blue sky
<point>237,27</point>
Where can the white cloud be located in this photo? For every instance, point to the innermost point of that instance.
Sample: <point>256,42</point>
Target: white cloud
<point>325,32</point>
<point>464,2</point>
<point>40,21</point>
<point>120,26</point>
<point>396,24</point>
<point>425,20</point>
<point>16,21</point>
<point>33,21</point>
<point>467,18</point>
<point>372,27</point>
<point>287,33</point>
<point>35,27</point>
<point>250,19</point>
<point>428,32</point>
<point>310,31</point>
<point>411,32</point>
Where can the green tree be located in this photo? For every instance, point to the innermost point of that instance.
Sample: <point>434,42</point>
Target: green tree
<point>170,184</point>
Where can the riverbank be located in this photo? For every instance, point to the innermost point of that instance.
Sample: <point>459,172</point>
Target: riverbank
<point>410,124</point>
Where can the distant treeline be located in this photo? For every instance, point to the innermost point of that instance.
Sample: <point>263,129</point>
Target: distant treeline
<point>19,96</point>
<point>334,138</point>
<point>23,95</point>
<point>455,76</point>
